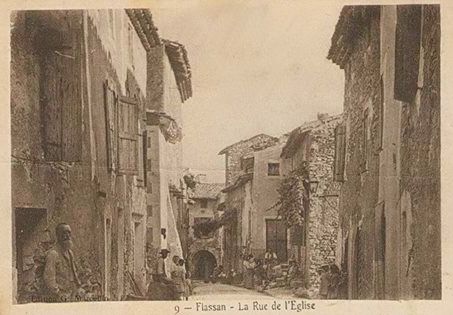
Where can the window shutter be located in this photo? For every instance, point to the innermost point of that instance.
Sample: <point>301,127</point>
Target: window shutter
<point>407,51</point>
<point>110,102</point>
<point>340,151</point>
<point>128,135</point>
<point>60,96</point>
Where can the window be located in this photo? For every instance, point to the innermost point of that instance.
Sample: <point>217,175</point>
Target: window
<point>276,239</point>
<point>149,210</point>
<point>128,134</point>
<point>149,142</point>
<point>201,229</point>
<point>148,165</point>
<point>380,140</point>
<point>340,152</point>
<point>365,138</point>
<point>407,51</point>
<point>203,203</point>
<point>273,169</point>
<point>149,236</point>
<point>130,44</point>
<point>247,164</point>
<point>149,186</point>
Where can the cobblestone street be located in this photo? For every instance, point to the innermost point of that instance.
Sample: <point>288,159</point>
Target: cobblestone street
<point>207,291</point>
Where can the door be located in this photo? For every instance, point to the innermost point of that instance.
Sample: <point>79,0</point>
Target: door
<point>276,238</point>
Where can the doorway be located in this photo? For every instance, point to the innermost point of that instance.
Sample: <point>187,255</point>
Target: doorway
<point>204,263</point>
<point>276,238</point>
<point>28,223</point>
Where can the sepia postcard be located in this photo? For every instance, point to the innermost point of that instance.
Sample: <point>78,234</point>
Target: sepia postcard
<point>226,157</point>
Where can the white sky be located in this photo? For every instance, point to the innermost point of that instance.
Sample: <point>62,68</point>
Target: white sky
<point>258,67</point>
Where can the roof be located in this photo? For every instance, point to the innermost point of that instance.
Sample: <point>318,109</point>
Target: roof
<point>297,136</point>
<point>241,180</point>
<point>177,55</point>
<point>207,190</point>
<point>272,141</point>
<point>143,24</point>
<point>350,25</point>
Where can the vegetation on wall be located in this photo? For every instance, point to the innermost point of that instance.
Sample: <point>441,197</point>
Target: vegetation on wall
<point>293,196</point>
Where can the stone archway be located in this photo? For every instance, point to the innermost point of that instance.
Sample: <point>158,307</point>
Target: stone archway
<point>203,264</point>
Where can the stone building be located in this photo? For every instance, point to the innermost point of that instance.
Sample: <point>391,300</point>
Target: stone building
<point>168,86</point>
<point>79,101</point>
<point>311,148</point>
<point>204,248</point>
<point>388,150</point>
<point>234,153</point>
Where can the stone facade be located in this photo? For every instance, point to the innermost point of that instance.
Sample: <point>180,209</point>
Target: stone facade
<point>235,152</point>
<point>392,142</point>
<point>314,143</point>
<point>60,159</point>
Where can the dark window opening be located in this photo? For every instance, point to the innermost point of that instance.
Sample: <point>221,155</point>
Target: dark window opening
<point>273,169</point>
<point>203,203</point>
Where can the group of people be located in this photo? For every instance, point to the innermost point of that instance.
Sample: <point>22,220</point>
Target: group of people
<point>260,273</point>
<point>177,286</point>
<point>55,277</point>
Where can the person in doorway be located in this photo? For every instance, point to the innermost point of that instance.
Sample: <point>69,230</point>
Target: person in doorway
<point>60,273</point>
<point>324,284</point>
<point>334,282</point>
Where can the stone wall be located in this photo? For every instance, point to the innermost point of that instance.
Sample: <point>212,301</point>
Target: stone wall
<point>360,189</point>
<point>323,216</point>
<point>420,168</point>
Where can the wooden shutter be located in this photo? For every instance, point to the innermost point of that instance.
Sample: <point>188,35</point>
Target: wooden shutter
<point>128,135</point>
<point>340,152</point>
<point>407,51</point>
<point>111,120</point>
<point>60,97</point>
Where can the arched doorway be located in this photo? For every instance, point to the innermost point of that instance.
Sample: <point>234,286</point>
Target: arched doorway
<point>203,263</point>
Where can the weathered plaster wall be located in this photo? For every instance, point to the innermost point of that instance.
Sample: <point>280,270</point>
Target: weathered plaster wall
<point>264,195</point>
<point>85,197</point>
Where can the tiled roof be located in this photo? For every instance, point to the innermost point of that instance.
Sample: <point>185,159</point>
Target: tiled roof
<point>271,139</point>
<point>207,190</point>
<point>296,137</point>
<point>177,55</point>
<point>143,24</point>
<point>241,180</point>
<point>351,23</point>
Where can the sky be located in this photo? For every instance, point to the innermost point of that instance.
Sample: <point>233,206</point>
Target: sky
<point>258,67</point>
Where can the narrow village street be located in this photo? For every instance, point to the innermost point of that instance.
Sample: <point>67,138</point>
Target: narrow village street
<point>218,291</point>
<point>282,168</point>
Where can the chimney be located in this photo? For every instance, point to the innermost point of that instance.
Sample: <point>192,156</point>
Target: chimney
<point>322,116</point>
